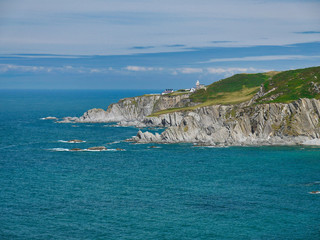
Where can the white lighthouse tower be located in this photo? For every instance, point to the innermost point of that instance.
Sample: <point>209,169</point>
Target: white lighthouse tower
<point>198,85</point>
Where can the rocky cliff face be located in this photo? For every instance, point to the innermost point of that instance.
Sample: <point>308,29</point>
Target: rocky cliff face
<point>133,111</point>
<point>275,123</point>
<point>247,123</point>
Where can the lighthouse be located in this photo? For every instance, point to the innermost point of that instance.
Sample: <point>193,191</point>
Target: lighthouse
<point>200,86</point>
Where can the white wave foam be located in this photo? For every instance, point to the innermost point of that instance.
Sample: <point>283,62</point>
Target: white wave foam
<point>89,150</point>
<point>210,146</point>
<point>105,150</point>
<point>312,183</point>
<point>10,146</point>
<point>111,126</point>
<point>49,118</point>
<point>60,149</point>
<point>71,141</point>
<point>315,192</point>
<point>83,150</point>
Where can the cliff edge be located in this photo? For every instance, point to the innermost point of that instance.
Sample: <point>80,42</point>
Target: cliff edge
<point>275,108</point>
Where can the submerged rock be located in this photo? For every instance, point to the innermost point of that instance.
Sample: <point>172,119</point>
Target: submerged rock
<point>75,141</point>
<point>100,148</point>
<point>120,149</point>
<point>68,120</point>
<point>76,149</point>
<point>315,192</point>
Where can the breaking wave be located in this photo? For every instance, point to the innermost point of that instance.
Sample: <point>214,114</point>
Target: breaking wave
<point>64,141</point>
<point>84,150</point>
<point>59,149</point>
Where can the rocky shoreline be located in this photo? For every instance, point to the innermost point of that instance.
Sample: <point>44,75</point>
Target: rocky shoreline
<point>245,124</point>
<point>264,124</point>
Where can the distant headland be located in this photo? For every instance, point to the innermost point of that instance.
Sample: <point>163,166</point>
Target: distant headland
<point>272,108</point>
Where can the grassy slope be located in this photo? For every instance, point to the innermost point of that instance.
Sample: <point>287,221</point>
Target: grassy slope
<point>235,89</point>
<point>290,85</point>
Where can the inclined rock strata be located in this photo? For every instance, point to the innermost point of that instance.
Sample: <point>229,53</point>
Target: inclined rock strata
<point>264,124</point>
<point>243,124</point>
<point>133,111</point>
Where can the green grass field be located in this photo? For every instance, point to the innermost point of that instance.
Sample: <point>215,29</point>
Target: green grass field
<point>289,86</point>
<point>292,85</point>
<point>235,89</point>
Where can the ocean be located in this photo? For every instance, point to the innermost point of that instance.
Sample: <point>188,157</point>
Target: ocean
<point>173,191</point>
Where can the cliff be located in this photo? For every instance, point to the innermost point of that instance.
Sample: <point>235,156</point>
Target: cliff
<point>245,109</point>
<point>264,124</point>
<point>133,111</point>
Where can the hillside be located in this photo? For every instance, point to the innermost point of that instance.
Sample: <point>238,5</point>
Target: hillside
<point>284,87</point>
<point>274,108</point>
<point>292,85</point>
<point>280,87</point>
<point>235,89</point>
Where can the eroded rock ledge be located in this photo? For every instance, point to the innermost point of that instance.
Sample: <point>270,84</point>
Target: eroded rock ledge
<point>243,124</point>
<point>264,124</point>
<point>134,111</point>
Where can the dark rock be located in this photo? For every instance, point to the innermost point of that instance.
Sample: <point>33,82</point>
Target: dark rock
<point>315,192</point>
<point>75,149</point>
<point>75,141</point>
<point>101,148</point>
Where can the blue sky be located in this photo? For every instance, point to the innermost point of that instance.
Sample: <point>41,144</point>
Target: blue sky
<point>151,44</point>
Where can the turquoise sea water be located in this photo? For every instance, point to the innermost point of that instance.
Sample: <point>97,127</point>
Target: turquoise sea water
<point>172,192</point>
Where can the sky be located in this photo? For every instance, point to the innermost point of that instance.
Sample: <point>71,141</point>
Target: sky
<point>149,44</point>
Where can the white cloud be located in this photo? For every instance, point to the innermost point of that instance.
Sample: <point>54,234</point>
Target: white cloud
<point>113,26</point>
<point>42,56</point>
<point>216,70</point>
<point>65,69</point>
<point>12,67</point>
<point>228,70</point>
<point>94,70</point>
<point>190,70</point>
<point>142,69</point>
<point>200,71</point>
<point>137,68</point>
<point>231,71</point>
<point>174,71</point>
<point>262,58</point>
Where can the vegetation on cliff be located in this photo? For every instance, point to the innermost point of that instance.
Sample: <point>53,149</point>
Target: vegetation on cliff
<point>280,87</point>
<point>292,85</point>
<point>235,89</point>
